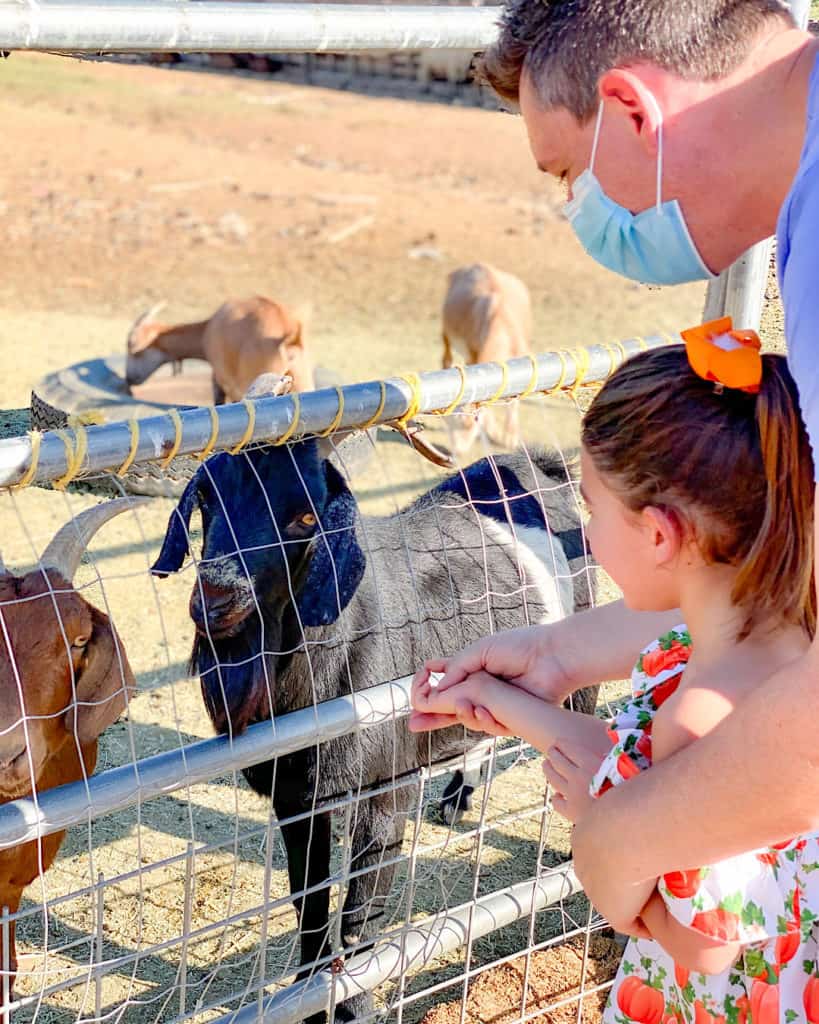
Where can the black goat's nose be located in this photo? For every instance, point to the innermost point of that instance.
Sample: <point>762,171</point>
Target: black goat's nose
<point>217,600</point>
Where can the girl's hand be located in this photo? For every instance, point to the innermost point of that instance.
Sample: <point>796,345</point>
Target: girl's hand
<point>459,706</point>
<point>526,656</point>
<point>569,768</point>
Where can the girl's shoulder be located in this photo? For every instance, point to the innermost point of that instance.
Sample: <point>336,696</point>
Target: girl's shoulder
<point>656,673</point>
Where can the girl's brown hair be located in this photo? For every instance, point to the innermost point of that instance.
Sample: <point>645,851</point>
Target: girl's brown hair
<point>735,468</point>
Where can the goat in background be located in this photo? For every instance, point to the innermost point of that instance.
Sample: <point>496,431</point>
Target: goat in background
<point>64,677</point>
<point>487,317</point>
<point>243,339</point>
<point>300,599</point>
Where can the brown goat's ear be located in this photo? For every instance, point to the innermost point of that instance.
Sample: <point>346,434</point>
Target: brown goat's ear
<point>103,684</point>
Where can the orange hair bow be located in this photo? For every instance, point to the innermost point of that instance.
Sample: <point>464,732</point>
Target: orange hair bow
<point>719,353</point>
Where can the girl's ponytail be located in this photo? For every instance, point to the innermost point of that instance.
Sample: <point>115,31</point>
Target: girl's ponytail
<point>776,575</point>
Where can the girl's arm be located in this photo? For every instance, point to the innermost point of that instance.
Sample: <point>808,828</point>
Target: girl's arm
<point>532,718</point>
<point>688,947</point>
<point>554,660</point>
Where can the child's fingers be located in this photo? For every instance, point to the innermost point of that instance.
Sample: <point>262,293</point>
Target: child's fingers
<point>560,804</point>
<point>552,777</point>
<point>451,675</point>
<point>488,722</point>
<point>420,721</point>
<point>561,765</point>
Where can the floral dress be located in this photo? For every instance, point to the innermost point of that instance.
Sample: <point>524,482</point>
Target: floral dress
<point>764,899</point>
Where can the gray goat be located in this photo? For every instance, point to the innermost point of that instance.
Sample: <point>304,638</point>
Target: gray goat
<point>300,599</point>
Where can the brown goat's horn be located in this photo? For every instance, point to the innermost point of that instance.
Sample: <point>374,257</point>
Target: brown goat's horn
<point>149,314</point>
<point>68,545</point>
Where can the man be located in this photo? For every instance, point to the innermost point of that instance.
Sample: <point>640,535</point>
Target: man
<point>686,131</point>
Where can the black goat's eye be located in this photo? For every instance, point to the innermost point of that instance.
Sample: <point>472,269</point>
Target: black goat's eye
<point>308,519</point>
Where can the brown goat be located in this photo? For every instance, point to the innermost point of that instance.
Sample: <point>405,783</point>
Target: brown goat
<point>487,317</point>
<point>243,338</point>
<point>64,677</point>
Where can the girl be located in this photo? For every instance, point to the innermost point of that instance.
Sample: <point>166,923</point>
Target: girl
<point>698,480</point>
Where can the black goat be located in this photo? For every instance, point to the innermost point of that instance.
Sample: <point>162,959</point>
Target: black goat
<point>300,599</point>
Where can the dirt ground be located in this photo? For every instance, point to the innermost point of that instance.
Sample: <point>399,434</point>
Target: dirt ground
<point>123,185</point>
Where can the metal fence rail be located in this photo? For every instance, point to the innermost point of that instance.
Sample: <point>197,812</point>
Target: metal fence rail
<point>117,788</point>
<point>315,411</point>
<point>139,26</point>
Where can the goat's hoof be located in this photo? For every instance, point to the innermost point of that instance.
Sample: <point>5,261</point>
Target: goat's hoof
<point>452,808</point>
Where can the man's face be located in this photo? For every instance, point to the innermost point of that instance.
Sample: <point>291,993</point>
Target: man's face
<point>626,163</point>
<point>562,147</point>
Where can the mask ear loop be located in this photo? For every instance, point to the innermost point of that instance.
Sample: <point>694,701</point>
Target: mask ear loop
<point>659,114</point>
<point>596,139</point>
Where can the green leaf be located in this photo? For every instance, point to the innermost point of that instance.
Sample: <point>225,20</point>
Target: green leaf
<point>752,914</point>
<point>791,1015</point>
<point>782,925</point>
<point>646,962</point>
<point>733,903</point>
<point>627,967</point>
<point>754,962</point>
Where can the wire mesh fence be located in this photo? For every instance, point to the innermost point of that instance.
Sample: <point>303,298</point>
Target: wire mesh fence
<point>315,857</point>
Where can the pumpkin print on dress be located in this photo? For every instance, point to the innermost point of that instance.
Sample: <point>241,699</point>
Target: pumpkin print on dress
<point>768,899</point>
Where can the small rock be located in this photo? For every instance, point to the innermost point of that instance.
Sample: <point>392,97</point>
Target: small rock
<point>425,252</point>
<point>233,226</point>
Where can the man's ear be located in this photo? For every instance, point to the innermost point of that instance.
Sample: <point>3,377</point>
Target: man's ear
<point>625,93</point>
<point>666,531</point>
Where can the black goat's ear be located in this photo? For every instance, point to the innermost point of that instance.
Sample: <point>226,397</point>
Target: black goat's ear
<point>338,563</point>
<point>175,545</point>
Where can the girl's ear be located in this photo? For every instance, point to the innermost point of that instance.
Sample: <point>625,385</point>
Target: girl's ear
<point>666,532</point>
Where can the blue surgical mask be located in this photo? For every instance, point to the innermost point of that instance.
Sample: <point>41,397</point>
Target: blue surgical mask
<point>654,246</point>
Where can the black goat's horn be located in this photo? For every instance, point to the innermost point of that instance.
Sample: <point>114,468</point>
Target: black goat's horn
<point>64,552</point>
<point>412,432</point>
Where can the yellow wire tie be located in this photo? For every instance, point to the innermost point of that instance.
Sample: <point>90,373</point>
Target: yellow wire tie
<point>36,439</point>
<point>291,430</point>
<point>504,384</point>
<point>214,433</point>
<point>250,408</point>
<point>337,418</point>
<point>75,449</point>
<point>176,419</point>
<point>616,352</point>
<point>530,387</point>
<point>377,414</point>
<point>133,426</point>
<point>564,369</point>
<point>456,401</point>
<point>581,368</point>
<point>413,381</point>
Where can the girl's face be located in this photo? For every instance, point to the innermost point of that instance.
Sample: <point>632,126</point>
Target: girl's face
<point>637,549</point>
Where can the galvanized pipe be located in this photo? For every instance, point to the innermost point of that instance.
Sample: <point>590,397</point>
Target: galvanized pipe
<point>112,790</point>
<point>110,444</point>
<point>411,948</point>
<point>139,26</point>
